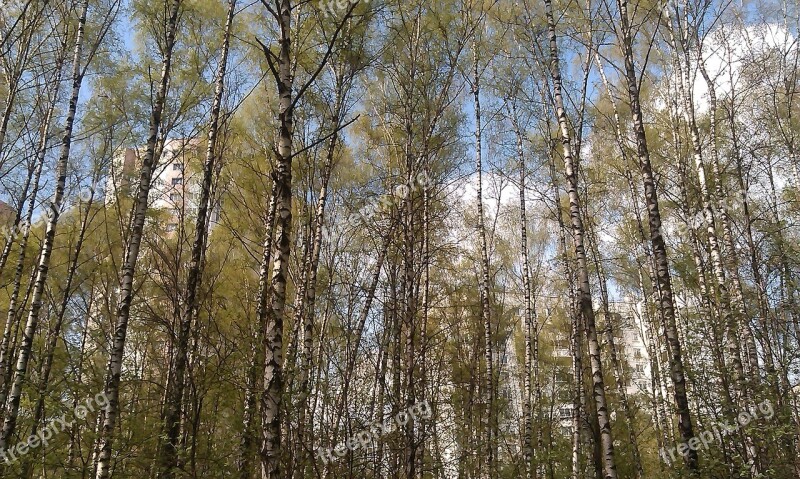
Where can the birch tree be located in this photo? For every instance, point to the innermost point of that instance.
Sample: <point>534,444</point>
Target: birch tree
<point>584,296</point>
<point>175,392</point>
<point>139,209</point>
<point>79,68</point>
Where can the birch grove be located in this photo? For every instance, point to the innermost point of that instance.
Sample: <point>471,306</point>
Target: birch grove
<point>399,239</point>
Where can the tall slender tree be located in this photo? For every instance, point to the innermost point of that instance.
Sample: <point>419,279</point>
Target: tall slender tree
<point>578,235</point>
<point>188,312</point>
<point>138,212</point>
<point>79,67</point>
<point>666,300</point>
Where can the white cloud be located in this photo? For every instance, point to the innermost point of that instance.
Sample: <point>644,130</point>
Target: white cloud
<point>729,48</point>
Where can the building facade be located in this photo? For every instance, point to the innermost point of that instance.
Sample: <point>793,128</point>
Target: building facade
<point>175,186</point>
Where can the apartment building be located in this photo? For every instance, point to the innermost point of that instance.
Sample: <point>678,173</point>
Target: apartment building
<point>176,183</point>
<point>555,345</point>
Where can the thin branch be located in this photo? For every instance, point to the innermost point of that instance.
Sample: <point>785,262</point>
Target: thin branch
<point>320,140</point>
<point>268,53</point>
<point>327,55</point>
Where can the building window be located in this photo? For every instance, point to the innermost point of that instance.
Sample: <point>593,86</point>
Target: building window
<point>177,181</point>
<point>639,368</point>
<point>171,227</point>
<point>637,353</point>
<point>175,197</point>
<point>177,167</point>
<point>565,412</point>
<point>561,347</point>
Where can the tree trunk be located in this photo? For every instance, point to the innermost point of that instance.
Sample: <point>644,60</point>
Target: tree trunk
<point>410,297</point>
<point>484,270</point>
<point>361,323</point>
<point>727,232</point>
<point>619,371</point>
<point>53,214</point>
<point>257,367</point>
<point>271,413</point>
<point>530,325</point>
<point>25,228</point>
<point>659,248</point>
<point>74,440</point>
<point>584,296</point>
<point>17,225</point>
<point>55,333</point>
<point>168,455</point>
<point>305,312</point>
<point>730,320</point>
<point>706,303</point>
<point>112,387</point>
<point>576,345</point>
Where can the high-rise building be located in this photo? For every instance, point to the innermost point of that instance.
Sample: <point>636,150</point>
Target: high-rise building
<point>632,352</point>
<point>176,182</point>
<point>631,347</point>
